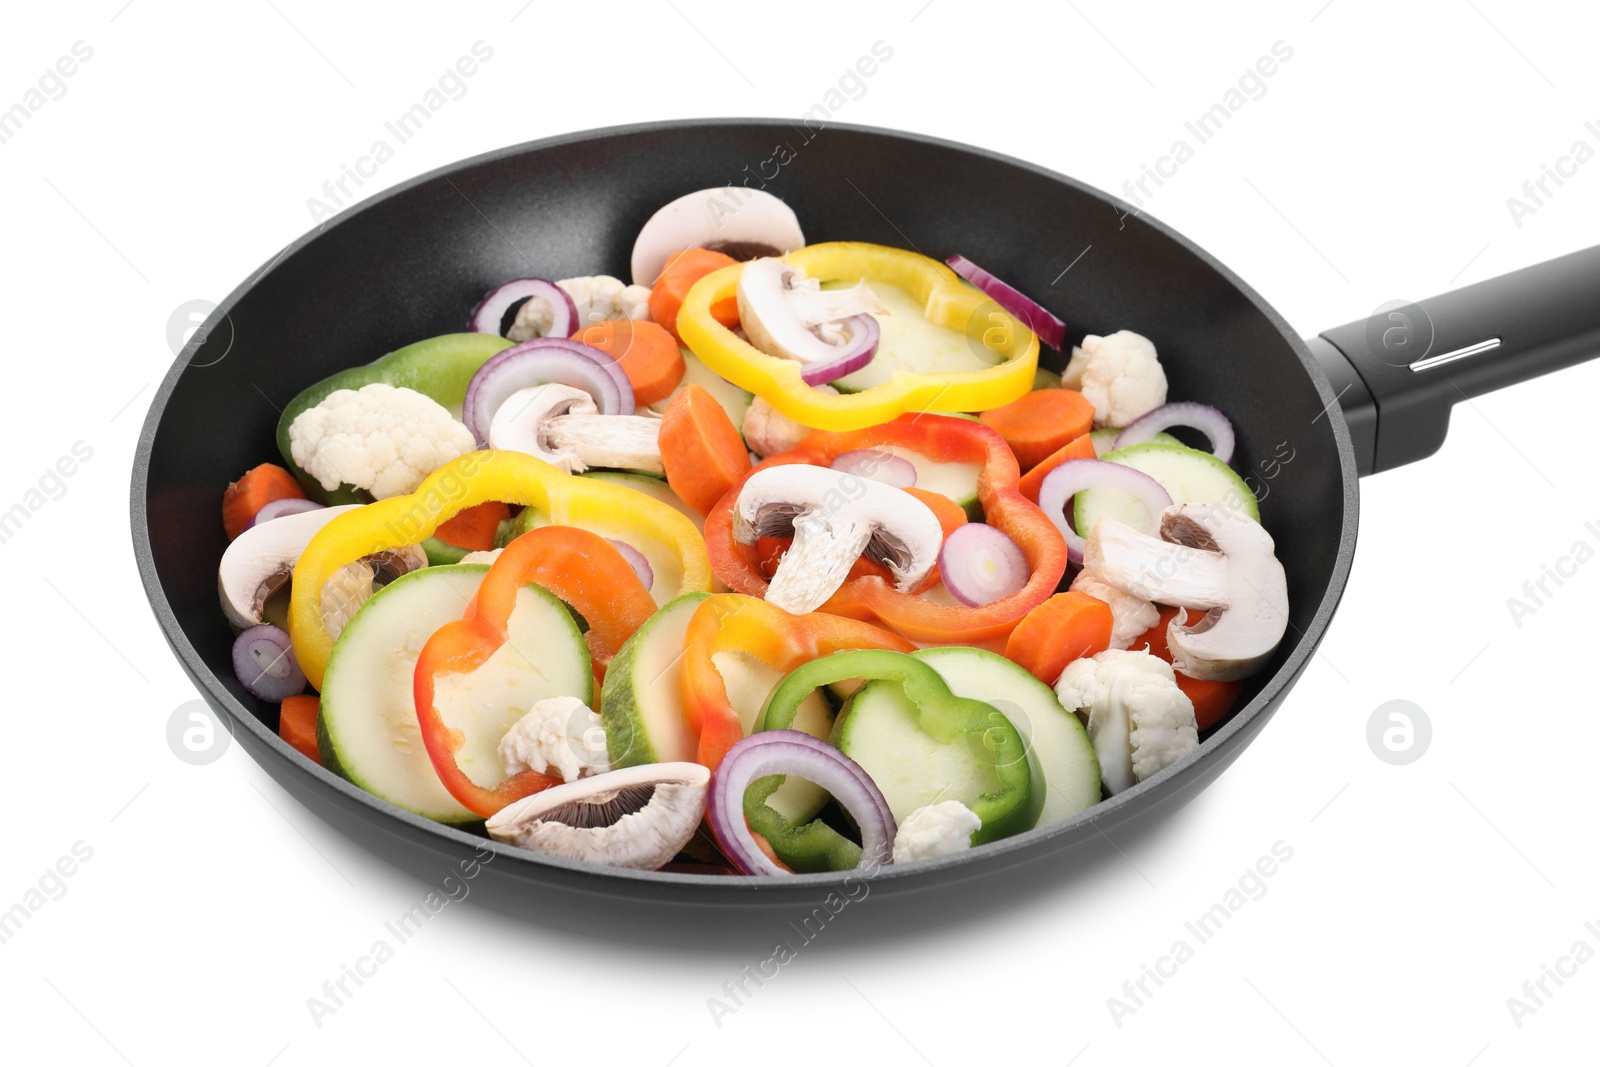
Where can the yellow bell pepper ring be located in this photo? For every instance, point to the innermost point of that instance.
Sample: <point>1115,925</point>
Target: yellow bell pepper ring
<point>946,300</point>
<point>675,549</point>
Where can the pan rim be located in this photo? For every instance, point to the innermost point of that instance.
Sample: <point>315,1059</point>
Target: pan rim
<point>615,880</point>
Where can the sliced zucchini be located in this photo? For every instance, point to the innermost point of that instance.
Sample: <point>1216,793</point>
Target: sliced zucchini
<point>909,342</point>
<point>1189,476</point>
<point>652,487</point>
<point>1105,439</point>
<point>367,724</point>
<point>1054,734</point>
<point>642,704</point>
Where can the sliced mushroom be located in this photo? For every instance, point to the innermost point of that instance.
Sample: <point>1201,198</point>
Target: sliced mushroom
<point>1208,558</point>
<point>352,585</point>
<point>259,562</point>
<point>562,425</point>
<point>637,817</point>
<point>742,223</point>
<point>784,313</point>
<point>835,517</point>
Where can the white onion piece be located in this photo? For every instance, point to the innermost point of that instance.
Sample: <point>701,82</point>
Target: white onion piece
<point>1075,475</point>
<point>980,564</point>
<point>880,466</point>
<point>792,752</point>
<point>1208,420</point>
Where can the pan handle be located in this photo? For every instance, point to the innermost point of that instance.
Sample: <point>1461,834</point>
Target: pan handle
<point>1400,371</point>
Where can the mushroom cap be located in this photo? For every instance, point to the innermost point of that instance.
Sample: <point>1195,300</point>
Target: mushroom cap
<point>1233,641</point>
<point>804,500</point>
<point>637,817</point>
<point>729,219</point>
<point>519,424</point>
<point>260,561</point>
<point>1209,558</point>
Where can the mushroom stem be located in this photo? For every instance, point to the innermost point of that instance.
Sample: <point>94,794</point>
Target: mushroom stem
<point>817,563</point>
<point>1157,570</point>
<point>582,441</point>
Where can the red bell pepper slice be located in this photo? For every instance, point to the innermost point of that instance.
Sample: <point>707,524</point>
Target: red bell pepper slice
<point>583,569</point>
<point>729,622</point>
<point>943,439</point>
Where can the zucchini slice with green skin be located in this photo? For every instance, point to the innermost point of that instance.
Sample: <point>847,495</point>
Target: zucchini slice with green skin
<point>367,724</point>
<point>1054,734</point>
<point>882,729</point>
<point>642,703</point>
<point>652,487</point>
<point>1189,476</point>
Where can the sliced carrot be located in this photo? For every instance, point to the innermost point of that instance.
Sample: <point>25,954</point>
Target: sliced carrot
<point>701,449</point>
<point>1066,627</point>
<point>474,528</point>
<point>947,511</point>
<point>679,276</point>
<point>1212,700</point>
<point>297,724</point>
<point>1040,423</point>
<point>259,487</point>
<point>1081,447</point>
<point>647,353</point>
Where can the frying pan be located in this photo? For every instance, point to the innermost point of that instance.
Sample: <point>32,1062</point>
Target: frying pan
<point>408,264</point>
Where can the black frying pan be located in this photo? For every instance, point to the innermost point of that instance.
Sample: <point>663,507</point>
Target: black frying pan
<point>409,263</point>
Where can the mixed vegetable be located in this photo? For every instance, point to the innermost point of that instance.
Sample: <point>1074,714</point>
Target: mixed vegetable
<point>781,558</point>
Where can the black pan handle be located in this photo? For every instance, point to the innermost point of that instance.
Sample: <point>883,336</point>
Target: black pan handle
<point>1400,371</point>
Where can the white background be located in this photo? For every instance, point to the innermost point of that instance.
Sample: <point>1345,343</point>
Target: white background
<point>1377,167</point>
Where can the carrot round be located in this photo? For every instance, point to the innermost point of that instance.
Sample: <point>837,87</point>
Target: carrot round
<point>259,487</point>
<point>701,449</point>
<point>1080,447</point>
<point>1040,423</point>
<point>1066,627</point>
<point>474,528</point>
<point>682,271</point>
<point>297,724</point>
<point>646,352</point>
<point>1212,700</point>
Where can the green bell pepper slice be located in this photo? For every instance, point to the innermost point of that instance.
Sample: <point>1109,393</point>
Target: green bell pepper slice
<point>945,717</point>
<point>440,367</point>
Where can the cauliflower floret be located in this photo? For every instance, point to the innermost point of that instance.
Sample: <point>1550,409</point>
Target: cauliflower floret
<point>935,830</point>
<point>598,299</point>
<point>560,734</point>
<point>1119,374</point>
<point>1139,720</point>
<point>379,438</point>
<point>1131,614</point>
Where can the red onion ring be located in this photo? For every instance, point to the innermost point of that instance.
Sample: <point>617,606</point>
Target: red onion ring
<point>980,564</point>
<point>277,509</point>
<point>539,362</point>
<point>793,752</point>
<point>854,354</point>
<point>1075,475</point>
<point>264,663</point>
<point>1208,420</point>
<point>491,310</point>
<point>636,560</point>
<point>880,466</point>
<point>1051,330</point>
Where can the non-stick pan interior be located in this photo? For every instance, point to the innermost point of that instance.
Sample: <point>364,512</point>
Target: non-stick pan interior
<point>412,263</point>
